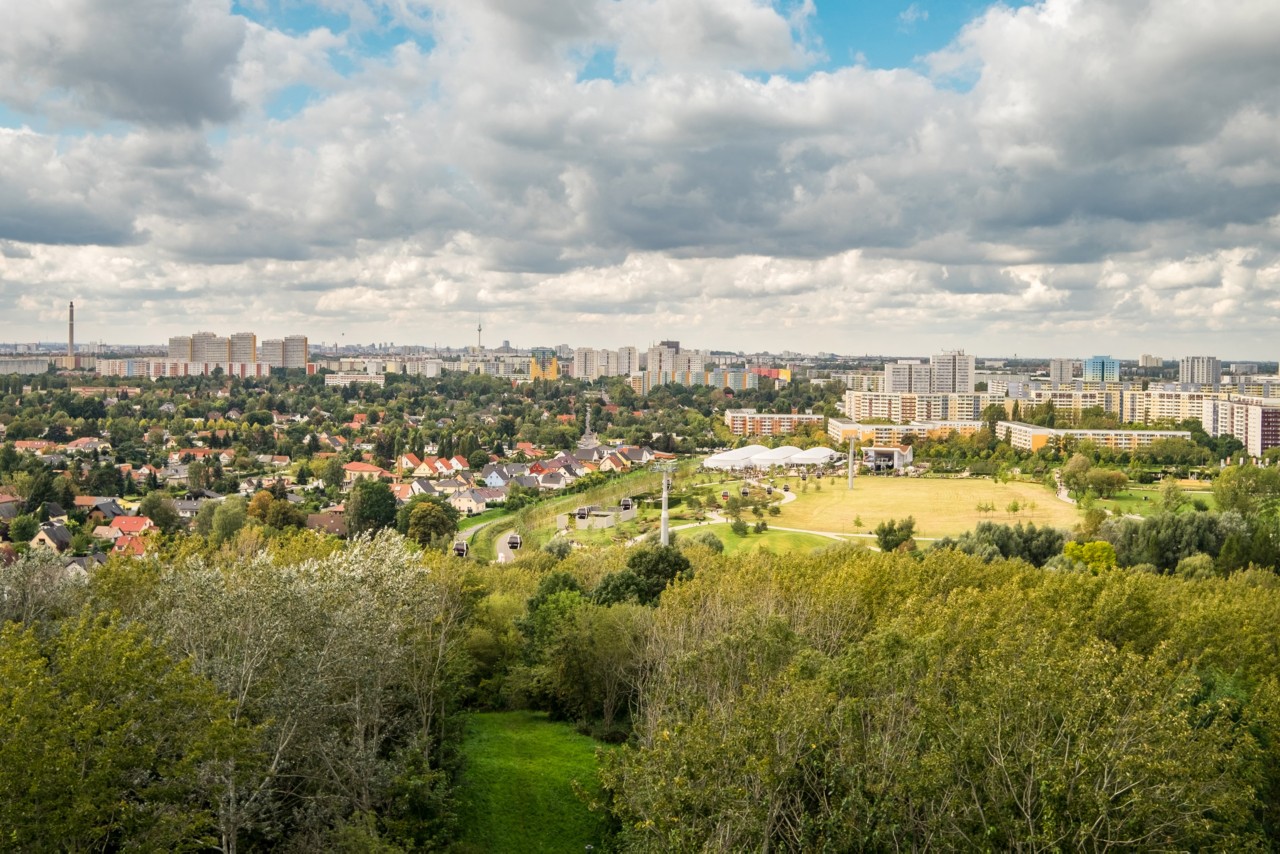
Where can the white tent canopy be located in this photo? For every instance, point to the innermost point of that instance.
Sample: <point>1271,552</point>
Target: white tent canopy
<point>760,457</point>
<point>738,458</point>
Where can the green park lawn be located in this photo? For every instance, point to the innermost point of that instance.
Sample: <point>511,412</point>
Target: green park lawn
<point>940,506</point>
<point>517,787</point>
<point>778,542</point>
<point>1131,501</point>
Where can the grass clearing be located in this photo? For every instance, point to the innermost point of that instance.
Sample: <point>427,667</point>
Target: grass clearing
<point>1131,501</point>
<point>517,789</point>
<point>941,506</point>
<point>778,542</point>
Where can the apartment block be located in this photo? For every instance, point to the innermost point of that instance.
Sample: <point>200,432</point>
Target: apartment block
<point>1029,437</point>
<point>952,372</point>
<point>1101,369</point>
<point>1254,421</point>
<point>842,430</point>
<point>1200,370</point>
<point>1062,371</point>
<point>244,347</point>
<point>296,352</point>
<point>904,408</point>
<point>907,376</point>
<point>748,422</point>
<point>180,348</point>
<point>272,353</point>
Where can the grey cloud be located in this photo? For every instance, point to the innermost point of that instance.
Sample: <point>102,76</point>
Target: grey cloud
<point>161,62</point>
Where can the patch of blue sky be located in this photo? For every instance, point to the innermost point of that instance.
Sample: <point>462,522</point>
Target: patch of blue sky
<point>601,65</point>
<point>890,33</point>
<point>15,120</point>
<point>292,100</point>
<point>370,38</point>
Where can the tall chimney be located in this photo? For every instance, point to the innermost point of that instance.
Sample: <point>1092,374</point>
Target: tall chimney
<point>71,335</point>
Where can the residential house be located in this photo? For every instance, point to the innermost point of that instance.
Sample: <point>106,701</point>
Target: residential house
<point>133,546</point>
<point>422,486</point>
<point>133,525</point>
<point>88,445</point>
<point>552,480</point>
<point>450,485</point>
<point>52,535</point>
<point>328,522</point>
<point>107,532</point>
<point>614,462</point>
<point>468,502</point>
<point>352,472</point>
<point>408,463</point>
<point>34,446</point>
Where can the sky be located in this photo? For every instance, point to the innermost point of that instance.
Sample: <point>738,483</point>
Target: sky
<point>1060,178</point>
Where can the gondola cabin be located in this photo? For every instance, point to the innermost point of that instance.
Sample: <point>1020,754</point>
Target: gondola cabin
<point>513,542</point>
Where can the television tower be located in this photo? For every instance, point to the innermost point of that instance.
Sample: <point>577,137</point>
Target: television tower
<point>479,329</point>
<point>71,335</point>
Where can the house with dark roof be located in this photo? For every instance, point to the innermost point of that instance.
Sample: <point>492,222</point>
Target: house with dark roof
<point>52,535</point>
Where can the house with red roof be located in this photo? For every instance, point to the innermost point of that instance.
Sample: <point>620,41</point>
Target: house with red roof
<point>130,545</point>
<point>352,472</point>
<point>132,525</point>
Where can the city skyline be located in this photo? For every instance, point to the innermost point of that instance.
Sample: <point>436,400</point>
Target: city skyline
<point>1043,179</point>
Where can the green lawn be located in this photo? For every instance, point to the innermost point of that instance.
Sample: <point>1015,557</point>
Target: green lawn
<point>481,518</point>
<point>778,542</point>
<point>517,788</point>
<point>1130,501</point>
<point>941,506</point>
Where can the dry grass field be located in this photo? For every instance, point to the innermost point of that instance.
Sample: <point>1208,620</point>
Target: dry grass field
<point>941,507</point>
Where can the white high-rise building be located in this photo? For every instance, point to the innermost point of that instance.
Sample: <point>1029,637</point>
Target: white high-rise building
<point>586,363</point>
<point>1146,360</point>
<point>606,363</point>
<point>908,376</point>
<point>208,347</point>
<point>295,351</point>
<point>180,348</point>
<point>1200,370</point>
<point>661,358</point>
<point>628,362</point>
<point>953,372</point>
<point>1062,371</point>
<point>244,347</point>
<point>272,353</point>
<point>691,361</point>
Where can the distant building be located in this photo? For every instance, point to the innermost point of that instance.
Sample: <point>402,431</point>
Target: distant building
<point>345,378</point>
<point>1200,370</point>
<point>952,372</point>
<point>748,422</point>
<point>244,347</point>
<point>180,348</point>
<point>1146,360</point>
<point>907,376</point>
<point>1062,371</point>
<point>1101,369</point>
<point>543,364</point>
<point>1028,437</point>
<point>296,353</point>
<point>209,347</point>
<point>272,353</point>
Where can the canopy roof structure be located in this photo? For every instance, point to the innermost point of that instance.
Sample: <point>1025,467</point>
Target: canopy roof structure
<point>760,457</point>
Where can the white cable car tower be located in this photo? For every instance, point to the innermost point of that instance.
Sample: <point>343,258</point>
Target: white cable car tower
<point>666,467</point>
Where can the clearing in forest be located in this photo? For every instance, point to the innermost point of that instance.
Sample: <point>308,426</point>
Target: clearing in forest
<point>517,787</point>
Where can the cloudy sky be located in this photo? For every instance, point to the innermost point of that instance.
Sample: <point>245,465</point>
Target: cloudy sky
<point>853,176</point>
